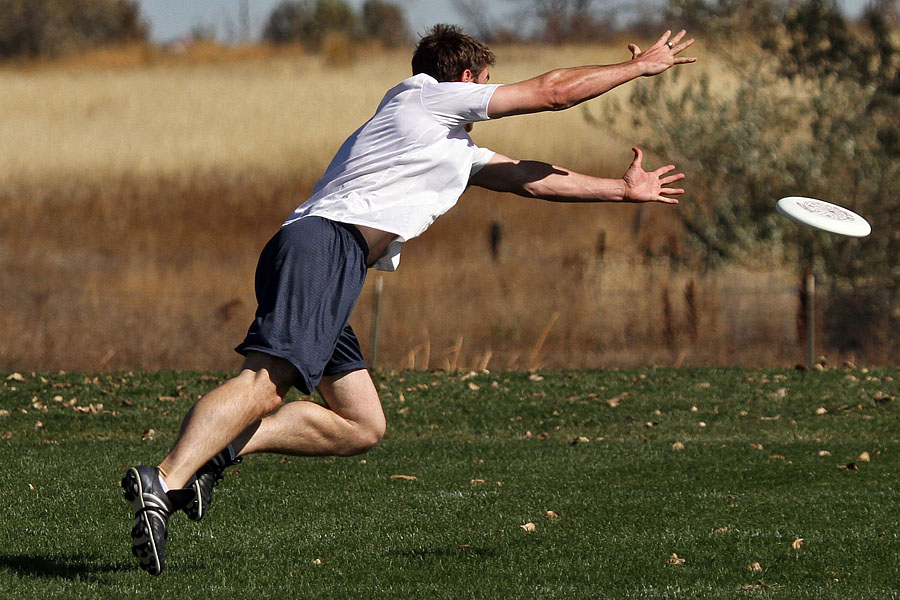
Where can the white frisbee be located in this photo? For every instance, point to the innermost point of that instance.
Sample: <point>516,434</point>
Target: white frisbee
<point>822,215</point>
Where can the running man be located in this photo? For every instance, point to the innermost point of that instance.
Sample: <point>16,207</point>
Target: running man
<point>388,182</point>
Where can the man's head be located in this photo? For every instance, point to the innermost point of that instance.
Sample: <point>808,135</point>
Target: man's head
<point>446,53</point>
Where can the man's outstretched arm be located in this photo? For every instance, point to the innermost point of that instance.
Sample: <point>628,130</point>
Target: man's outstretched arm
<point>563,88</point>
<point>535,179</point>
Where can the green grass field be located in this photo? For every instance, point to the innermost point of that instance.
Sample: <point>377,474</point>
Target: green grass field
<point>687,483</point>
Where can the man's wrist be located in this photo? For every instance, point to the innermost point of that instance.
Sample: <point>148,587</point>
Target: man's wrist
<point>621,190</point>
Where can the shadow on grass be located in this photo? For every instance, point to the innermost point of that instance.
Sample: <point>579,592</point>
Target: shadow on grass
<point>77,566</point>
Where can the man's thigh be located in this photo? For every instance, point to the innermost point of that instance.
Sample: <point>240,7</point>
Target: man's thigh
<point>353,396</point>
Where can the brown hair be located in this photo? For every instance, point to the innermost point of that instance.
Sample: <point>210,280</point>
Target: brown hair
<point>445,52</point>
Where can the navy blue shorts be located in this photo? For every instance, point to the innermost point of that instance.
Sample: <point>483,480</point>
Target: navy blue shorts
<point>308,279</point>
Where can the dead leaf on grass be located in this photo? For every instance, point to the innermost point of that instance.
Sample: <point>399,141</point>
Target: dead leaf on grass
<point>474,386</point>
<point>38,425</point>
<point>580,440</point>
<point>849,467</point>
<point>756,446</point>
<point>529,527</point>
<point>16,377</point>
<point>754,566</point>
<point>535,377</point>
<point>721,530</point>
<point>477,481</point>
<point>821,411</point>
<point>551,514</point>
<point>674,559</point>
<point>148,434</point>
<point>797,543</point>
<point>824,453</point>
<point>7,435</point>
<point>677,446</point>
<point>864,457</point>
<point>403,478</point>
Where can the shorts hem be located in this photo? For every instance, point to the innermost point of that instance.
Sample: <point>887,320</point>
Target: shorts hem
<point>303,383</point>
<point>346,368</point>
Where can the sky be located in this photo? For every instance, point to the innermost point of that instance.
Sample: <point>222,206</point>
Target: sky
<point>172,19</point>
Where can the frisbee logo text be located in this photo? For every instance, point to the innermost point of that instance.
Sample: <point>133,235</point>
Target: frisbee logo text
<point>831,212</point>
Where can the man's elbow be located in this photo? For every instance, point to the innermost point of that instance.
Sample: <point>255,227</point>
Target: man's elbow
<point>558,93</point>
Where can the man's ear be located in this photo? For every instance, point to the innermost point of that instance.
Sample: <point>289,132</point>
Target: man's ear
<point>466,76</point>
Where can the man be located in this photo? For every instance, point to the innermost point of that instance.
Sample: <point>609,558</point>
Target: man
<point>389,181</point>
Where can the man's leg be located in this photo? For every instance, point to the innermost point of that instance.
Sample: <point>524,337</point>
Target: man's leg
<point>352,423</point>
<point>226,412</point>
<point>208,427</point>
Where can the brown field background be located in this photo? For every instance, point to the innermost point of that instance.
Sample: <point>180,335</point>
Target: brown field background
<point>137,189</point>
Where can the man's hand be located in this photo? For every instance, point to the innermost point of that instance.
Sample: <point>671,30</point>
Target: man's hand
<point>641,186</point>
<point>662,55</point>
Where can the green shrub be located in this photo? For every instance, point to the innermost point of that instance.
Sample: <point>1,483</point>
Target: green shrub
<point>811,108</point>
<point>33,28</point>
<point>309,22</point>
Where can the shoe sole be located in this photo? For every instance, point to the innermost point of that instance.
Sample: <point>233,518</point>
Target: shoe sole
<point>194,510</point>
<point>143,545</point>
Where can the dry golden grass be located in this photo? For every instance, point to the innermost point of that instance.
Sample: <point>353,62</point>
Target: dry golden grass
<point>138,190</point>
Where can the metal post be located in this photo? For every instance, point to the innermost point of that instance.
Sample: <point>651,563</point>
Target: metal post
<point>379,288</point>
<point>810,320</point>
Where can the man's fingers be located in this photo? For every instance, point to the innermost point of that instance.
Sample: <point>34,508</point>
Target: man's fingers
<point>672,179</point>
<point>663,170</point>
<point>671,191</point>
<point>680,60</point>
<point>677,37</point>
<point>665,37</point>
<point>684,46</point>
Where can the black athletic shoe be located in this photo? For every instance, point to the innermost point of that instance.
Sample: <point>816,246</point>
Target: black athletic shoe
<point>151,517</point>
<point>203,482</point>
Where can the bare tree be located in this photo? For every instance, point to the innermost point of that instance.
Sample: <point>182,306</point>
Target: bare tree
<point>478,22</point>
<point>552,21</point>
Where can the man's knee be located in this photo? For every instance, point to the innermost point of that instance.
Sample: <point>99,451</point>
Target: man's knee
<point>366,436</point>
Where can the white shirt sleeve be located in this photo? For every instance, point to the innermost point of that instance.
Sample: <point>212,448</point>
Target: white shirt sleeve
<point>456,103</point>
<point>481,157</point>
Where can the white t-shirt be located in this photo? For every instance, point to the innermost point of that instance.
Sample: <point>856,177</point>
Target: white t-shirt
<point>407,165</point>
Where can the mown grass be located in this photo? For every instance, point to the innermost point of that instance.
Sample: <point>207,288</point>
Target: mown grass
<point>769,457</point>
